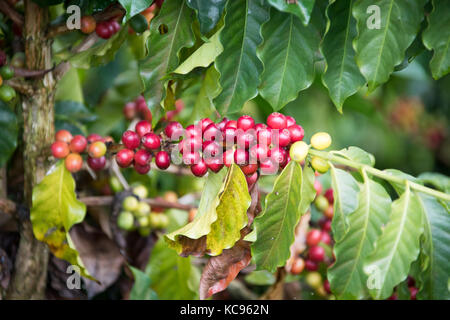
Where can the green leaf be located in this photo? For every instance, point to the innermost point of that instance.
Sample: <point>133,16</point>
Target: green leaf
<point>346,276</point>
<point>238,65</point>
<point>301,8</point>
<point>54,211</point>
<point>356,154</point>
<point>435,251</point>
<point>8,133</point>
<point>437,37</point>
<point>101,53</point>
<point>222,213</point>
<point>172,277</point>
<point>133,7</point>
<point>276,225</point>
<point>204,105</point>
<point>341,77</point>
<point>170,31</point>
<point>137,44</point>
<point>378,51</point>
<point>208,12</point>
<point>203,56</point>
<point>260,278</point>
<point>141,288</point>
<point>396,248</point>
<point>288,58</point>
<point>345,191</point>
<point>437,180</point>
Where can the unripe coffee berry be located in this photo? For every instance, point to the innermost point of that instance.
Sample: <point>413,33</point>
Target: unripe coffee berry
<point>97,149</point>
<point>64,136</point>
<point>321,140</point>
<point>74,162</point>
<point>320,164</point>
<point>298,151</point>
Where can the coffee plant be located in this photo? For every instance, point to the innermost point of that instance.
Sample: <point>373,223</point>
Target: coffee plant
<point>111,108</point>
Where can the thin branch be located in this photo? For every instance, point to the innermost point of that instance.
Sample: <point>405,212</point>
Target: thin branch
<point>157,202</point>
<point>21,86</point>
<point>112,11</point>
<point>115,169</point>
<point>8,10</point>
<point>26,73</point>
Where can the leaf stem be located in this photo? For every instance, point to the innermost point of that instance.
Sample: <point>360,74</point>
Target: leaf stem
<point>379,173</point>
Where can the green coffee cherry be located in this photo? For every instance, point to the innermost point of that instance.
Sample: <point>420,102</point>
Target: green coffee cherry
<point>141,191</point>
<point>321,203</point>
<point>319,164</point>
<point>130,203</point>
<point>125,220</point>
<point>143,209</point>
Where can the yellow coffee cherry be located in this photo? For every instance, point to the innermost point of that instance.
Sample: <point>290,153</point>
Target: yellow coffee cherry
<point>321,140</point>
<point>314,280</point>
<point>299,151</point>
<point>319,164</point>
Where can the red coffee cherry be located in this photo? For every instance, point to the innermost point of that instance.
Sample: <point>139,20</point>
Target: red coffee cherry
<point>74,162</point>
<point>241,157</point>
<point>143,127</point>
<point>124,158</point>
<point>151,141</point>
<point>284,137</point>
<point>64,136</point>
<point>97,149</point>
<point>211,149</point>
<point>193,131</point>
<point>199,169</point>
<point>329,195</point>
<point>325,238</point>
<point>229,135</point>
<point>298,266</point>
<point>96,164</point>
<point>191,158</point>
<point>311,265</point>
<point>87,24</point>
<point>276,121</point>
<point>268,167</point>
<point>318,186</point>
<point>162,160</point>
<point>264,136</point>
<point>228,157</point>
<point>413,292</point>
<point>204,123</point>
<point>289,121</point>
<point>130,139</point>
<point>191,144</point>
<point>245,122</point>
<point>115,26</point>
<point>142,169</point>
<point>259,152</point>
<point>214,164</point>
<point>296,132</point>
<point>313,237</point>
<point>142,157</point>
<point>326,286</point>
<point>212,132</point>
<point>316,253</point>
<point>260,126</point>
<point>103,30</point>
<point>93,137</point>
<point>249,169</point>
<point>278,155</point>
<point>245,140</point>
<point>174,130</point>
<point>231,124</point>
<point>221,125</point>
<point>60,149</point>
<point>251,180</point>
<point>78,144</point>
<point>129,110</point>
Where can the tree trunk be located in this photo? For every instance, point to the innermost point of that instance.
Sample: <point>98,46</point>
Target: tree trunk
<point>30,272</point>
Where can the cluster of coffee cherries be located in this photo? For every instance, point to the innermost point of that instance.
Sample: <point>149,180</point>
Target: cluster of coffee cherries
<point>136,214</point>
<point>317,238</point>
<point>104,29</point>
<point>70,148</point>
<point>7,93</point>
<point>137,109</point>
